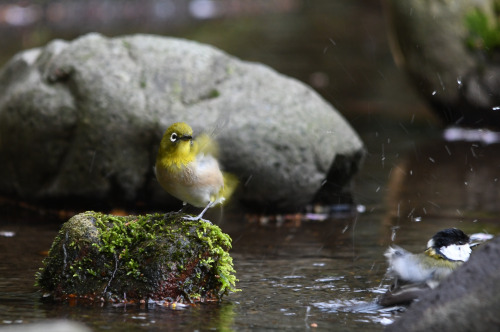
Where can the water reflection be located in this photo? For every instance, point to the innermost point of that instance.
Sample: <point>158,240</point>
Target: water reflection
<point>449,179</point>
<point>284,273</point>
<point>204,317</point>
<point>440,184</point>
<point>297,275</point>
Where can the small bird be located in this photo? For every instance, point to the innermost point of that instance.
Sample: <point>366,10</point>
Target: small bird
<point>188,170</point>
<point>415,273</point>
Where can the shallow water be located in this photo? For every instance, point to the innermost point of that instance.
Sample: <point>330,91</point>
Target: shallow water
<point>296,275</point>
<point>291,276</point>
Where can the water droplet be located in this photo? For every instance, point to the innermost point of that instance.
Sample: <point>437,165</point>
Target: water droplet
<point>447,150</point>
<point>393,232</point>
<point>360,208</point>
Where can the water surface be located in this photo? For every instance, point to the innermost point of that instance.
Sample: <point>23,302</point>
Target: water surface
<point>296,275</point>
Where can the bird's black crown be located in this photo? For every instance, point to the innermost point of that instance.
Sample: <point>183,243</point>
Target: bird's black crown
<point>448,237</point>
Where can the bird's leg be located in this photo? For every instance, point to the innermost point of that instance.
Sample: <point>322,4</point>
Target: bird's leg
<point>199,217</point>
<point>168,214</point>
<point>184,204</point>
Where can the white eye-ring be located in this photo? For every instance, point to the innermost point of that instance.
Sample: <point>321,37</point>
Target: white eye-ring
<point>173,137</point>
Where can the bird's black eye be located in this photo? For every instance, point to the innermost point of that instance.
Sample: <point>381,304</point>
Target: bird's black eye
<point>173,137</point>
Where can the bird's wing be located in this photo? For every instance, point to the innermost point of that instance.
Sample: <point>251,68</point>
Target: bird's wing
<point>206,145</point>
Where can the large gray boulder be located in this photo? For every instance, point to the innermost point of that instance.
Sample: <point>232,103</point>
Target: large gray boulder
<point>468,300</point>
<point>450,49</point>
<point>83,119</point>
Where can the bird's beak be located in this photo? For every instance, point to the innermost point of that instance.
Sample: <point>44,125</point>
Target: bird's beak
<point>186,137</point>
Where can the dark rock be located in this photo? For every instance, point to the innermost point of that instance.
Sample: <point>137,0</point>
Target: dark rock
<point>451,53</point>
<point>84,119</point>
<point>98,257</point>
<point>468,300</point>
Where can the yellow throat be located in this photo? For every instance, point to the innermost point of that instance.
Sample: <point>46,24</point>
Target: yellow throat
<point>177,148</point>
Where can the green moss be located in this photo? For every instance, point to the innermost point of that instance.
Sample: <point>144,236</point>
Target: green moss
<point>98,255</point>
<point>484,31</point>
<point>214,93</point>
<point>224,268</point>
<point>126,44</point>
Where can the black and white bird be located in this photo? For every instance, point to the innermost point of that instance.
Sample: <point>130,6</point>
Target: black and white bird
<point>414,274</point>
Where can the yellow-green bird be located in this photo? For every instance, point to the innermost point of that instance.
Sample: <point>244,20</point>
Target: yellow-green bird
<point>188,169</point>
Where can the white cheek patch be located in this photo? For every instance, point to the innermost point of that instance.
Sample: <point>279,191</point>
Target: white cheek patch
<point>456,252</point>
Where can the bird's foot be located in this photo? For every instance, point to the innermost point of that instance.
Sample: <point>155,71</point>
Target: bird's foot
<point>192,218</point>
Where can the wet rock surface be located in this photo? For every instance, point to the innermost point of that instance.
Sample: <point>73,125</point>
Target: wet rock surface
<point>98,257</point>
<point>468,300</point>
<point>84,119</point>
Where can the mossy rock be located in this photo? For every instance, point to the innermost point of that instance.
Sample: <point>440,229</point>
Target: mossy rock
<point>98,257</point>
